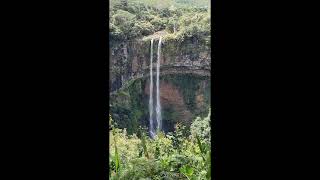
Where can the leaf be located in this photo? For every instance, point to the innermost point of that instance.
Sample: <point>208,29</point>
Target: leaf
<point>186,170</point>
<point>189,170</point>
<point>201,148</point>
<point>117,159</point>
<point>199,143</point>
<point>208,161</point>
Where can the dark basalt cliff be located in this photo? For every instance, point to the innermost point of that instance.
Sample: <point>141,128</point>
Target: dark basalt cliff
<point>184,81</point>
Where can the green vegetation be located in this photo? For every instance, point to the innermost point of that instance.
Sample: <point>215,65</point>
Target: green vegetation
<point>129,107</point>
<point>181,19</point>
<point>182,149</point>
<point>171,156</point>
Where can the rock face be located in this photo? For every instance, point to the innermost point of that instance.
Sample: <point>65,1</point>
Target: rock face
<point>172,98</point>
<point>131,60</point>
<point>184,82</point>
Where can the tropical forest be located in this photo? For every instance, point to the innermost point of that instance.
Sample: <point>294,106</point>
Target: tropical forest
<point>160,113</point>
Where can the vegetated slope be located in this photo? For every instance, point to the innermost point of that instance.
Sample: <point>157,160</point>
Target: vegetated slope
<point>134,19</point>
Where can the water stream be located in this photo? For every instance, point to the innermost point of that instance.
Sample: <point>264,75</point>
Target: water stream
<point>151,122</point>
<point>158,107</point>
<point>158,121</point>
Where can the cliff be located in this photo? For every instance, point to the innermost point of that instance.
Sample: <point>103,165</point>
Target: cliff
<point>184,80</point>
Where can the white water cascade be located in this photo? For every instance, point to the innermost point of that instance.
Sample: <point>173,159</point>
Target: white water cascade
<point>158,108</point>
<point>158,122</point>
<point>151,130</point>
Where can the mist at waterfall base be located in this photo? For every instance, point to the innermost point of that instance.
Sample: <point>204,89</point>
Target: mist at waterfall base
<point>155,122</point>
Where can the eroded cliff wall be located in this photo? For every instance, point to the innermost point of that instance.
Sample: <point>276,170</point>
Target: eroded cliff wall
<point>184,82</point>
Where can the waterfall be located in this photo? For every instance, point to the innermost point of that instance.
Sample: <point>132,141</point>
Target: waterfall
<point>158,108</point>
<point>151,130</point>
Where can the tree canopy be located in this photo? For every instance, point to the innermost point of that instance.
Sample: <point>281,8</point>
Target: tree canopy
<point>130,19</point>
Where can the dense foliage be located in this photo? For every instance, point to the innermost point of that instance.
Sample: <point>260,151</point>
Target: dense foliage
<point>181,19</point>
<point>171,156</point>
<point>128,107</point>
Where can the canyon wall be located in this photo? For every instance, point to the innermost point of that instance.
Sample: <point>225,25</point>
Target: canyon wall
<point>184,81</point>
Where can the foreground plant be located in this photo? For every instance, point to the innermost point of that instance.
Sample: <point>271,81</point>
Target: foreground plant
<point>172,156</point>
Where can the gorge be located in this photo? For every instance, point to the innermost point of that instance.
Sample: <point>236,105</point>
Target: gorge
<point>183,84</point>
<point>160,80</point>
<point>181,73</point>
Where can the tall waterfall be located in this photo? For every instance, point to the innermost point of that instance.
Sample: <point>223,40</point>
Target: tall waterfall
<point>158,108</point>
<point>151,130</point>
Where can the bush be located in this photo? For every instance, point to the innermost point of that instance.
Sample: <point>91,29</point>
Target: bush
<point>143,28</point>
<point>172,156</point>
<point>201,128</point>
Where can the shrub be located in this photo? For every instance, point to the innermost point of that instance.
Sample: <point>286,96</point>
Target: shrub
<point>171,156</point>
